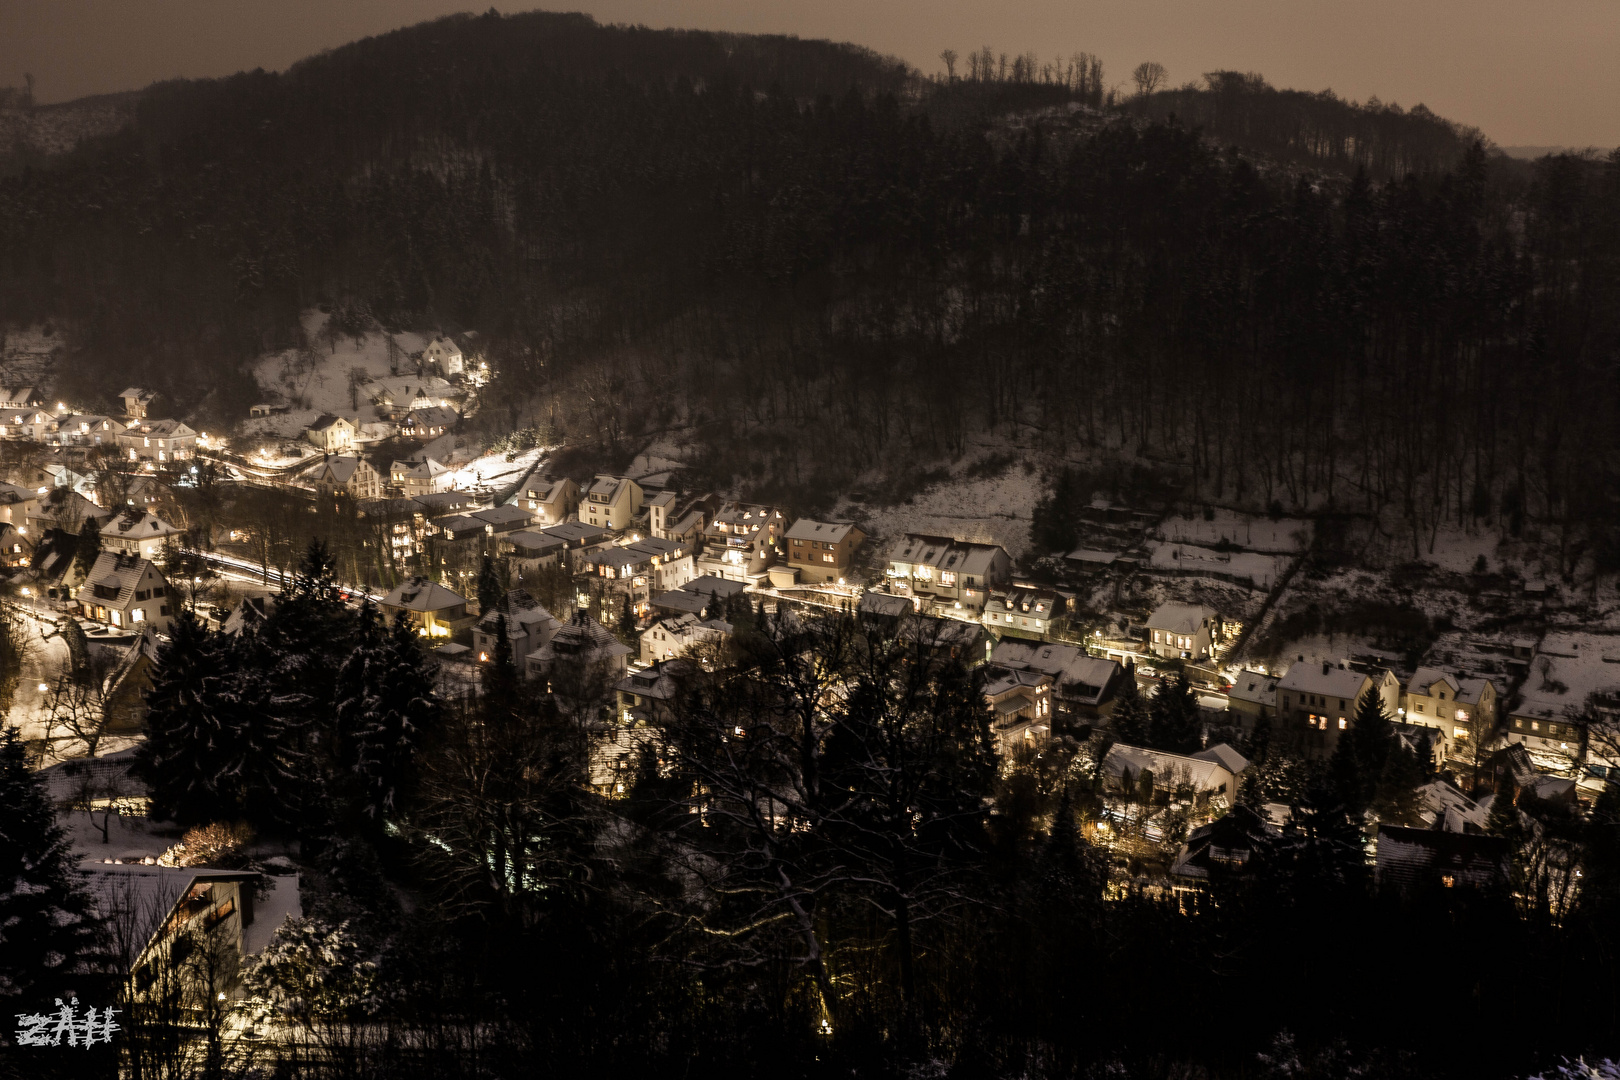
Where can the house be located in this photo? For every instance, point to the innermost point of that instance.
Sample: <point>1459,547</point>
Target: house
<point>822,550</point>
<point>185,931</point>
<point>266,408</point>
<point>883,609</point>
<point>644,701</point>
<point>551,502</point>
<point>430,423</point>
<point>1020,703</point>
<point>332,434</point>
<point>60,508</point>
<point>611,502</point>
<point>348,474</point>
<point>504,520</point>
<point>1083,686</point>
<point>445,355</point>
<point>696,595</point>
<point>1574,676</point>
<point>414,478</point>
<point>87,430</point>
<point>949,575</point>
<point>21,397</point>
<point>941,639</point>
<point>659,507</point>
<point>157,440</point>
<point>137,401</point>
<point>742,541</point>
<point>1022,611</point>
<point>36,424</point>
<point>678,635</point>
<point>668,520</point>
<point>433,609</point>
<point>643,569</point>
<point>437,504</point>
<point>1410,860</point>
<point>136,532</point>
<point>1457,707</point>
<point>528,627</point>
<point>1184,631</point>
<point>396,396</point>
<point>1252,695</point>
<point>582,640</point>
<point>1321,699</point>
<point>580,542</point>
<point>1227,846</point>
<point>125,591</point>
<point>1207,780</point>
<point>530,552</point>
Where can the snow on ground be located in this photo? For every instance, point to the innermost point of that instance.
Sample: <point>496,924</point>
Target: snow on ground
<point>27,356</point>
<point>323,387</point>
<point>1459,550</point>
<point>1263,570</point>
<point>1283,536</point>
<point>993,509</point>
<point>494,471</point>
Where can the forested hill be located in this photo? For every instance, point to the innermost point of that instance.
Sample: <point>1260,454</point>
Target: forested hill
<point>829,264</point>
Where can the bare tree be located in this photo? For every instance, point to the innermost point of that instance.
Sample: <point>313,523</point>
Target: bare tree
<point>949,56</point>
<point>1149,76</point>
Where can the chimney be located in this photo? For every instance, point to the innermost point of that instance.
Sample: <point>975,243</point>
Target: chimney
<point>1326,667</point>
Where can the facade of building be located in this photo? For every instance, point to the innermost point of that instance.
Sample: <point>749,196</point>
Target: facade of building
<point>1322,698</point>
<point>1022,611</point>
<point>348,474</point>
<point>1184,631</point>
<point>136,532</point>
<point>157,440</point>
<point>822,550</point>
<point>946,574</point>
<point>1456,706</point>
<point>332,434</point>
<point>611,502</point>
<point>127,592</point>
<point>137,401</point>
<point>433,609</point>
<point>414,478</point>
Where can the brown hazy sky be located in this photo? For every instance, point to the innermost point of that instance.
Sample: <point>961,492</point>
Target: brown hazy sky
<point>1538,72</point>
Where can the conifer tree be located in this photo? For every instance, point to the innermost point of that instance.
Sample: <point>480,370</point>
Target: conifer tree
<point>491,589</point>
<point>1130,717</point>
<point>1357,762</point>
<point>87,548</point>
<point>46,927</point>
<point>189,721</point>
<point>1174,723</point>
<point>386,709</point>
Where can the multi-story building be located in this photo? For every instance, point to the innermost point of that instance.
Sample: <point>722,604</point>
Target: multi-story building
<point>1023,611</point>
<point>333,434</point>
<point>1459,708</point>
<point>348,474</point>
<point>552,502</point>
<point>611,502</point>
<point>1321,699</point>
<point>1183,631</point>
<point>157,440</point>
<point>125,591</point>
<point>643,569</point>
<point>822,550</point>
<point>136,532</point>
<point>951,576</point>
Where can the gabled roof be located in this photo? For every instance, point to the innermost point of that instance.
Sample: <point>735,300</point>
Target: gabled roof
<point>164,428</point>
<point>142,897</point>
<point>339,469</point>
<point>1425,677</point>
<point>535,543</point>
<point>884,604</point>
<point>138,525</point>
<point>1203,770</point>
<point>113,570</point>
<point>1176,618</point>
<point>581,636</point>
<point>1329,680</point>
<point>827,532</point>
<point>137,392</point>
<point>1254,687</point>
<point>420,594</point>
<point>1225,755</point>
<point>327,420</point>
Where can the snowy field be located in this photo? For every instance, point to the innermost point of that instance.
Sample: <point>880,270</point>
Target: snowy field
<point>994,509</point>
<point>1285,536</point>
<point>1262,570</point>
<point>493,471</point>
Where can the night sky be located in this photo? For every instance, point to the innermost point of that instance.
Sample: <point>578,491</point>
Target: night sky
<point>1527,74</point>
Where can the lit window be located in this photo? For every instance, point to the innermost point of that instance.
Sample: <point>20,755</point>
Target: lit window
<point>1341,723</point>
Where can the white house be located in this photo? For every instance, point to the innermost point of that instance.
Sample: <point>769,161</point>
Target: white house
<point>136,532</point>
<point>953,576</point>
<point>1323,698</point>
<point>333,434</point>
<point>1185,631</point>
<point>125,591</point>
<point>444,353</point>
<point>137,401</point>
<point>611,502</point>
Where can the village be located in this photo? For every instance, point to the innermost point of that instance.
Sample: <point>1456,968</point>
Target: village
<point>644,583</point>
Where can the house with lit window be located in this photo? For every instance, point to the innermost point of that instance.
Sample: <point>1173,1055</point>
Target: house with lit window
<point>742,541</point>
<point>611,502</point>
<point>580,542</point>
<point>332,434</point>
<point>1321,699</point>
<point>822,550</point>
<point>1574,678</point>
<point>679,635</point>
<point>445,355</point>
<point>125,591</point>
<point>949,576</point>
<point>137,401</point>
<point>348,474</point>
<point>528,627</point>
<point>430,607</point>
<point>398,395</point>
<point>1183,631</point>
<point>21,397</point>
<point>641,570</point>
<point>1252,695</point>
<point>1022,611</point>
<point>580,641</point>
<point>157,440</point>
<point>552,502</point>
<point>136,532</point>
<point>670,519</point>
<point>1020,704</point>
<point>86,430</point>
<point>1083,686</point>
<point>528,552</point>
<point>35,424</point>
<point>1202,783</point>
<point>1454,705</point>
<point>425,424</point>
<point>413,478</point>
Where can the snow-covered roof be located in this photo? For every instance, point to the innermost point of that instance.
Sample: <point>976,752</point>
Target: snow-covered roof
<point>828,532</point>
<point>1233,761</point>
<point>420,594</point>
<point>1329,680</point>
<point>1179,618</point>
<point>1572,666</point>
<point>1424,679</point>
<point>534,543</point>
<point>1206,771</point>
<point>1254,687</point>
<point>138,525</point>
<point>121,573</point>
<point>142,896</point>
